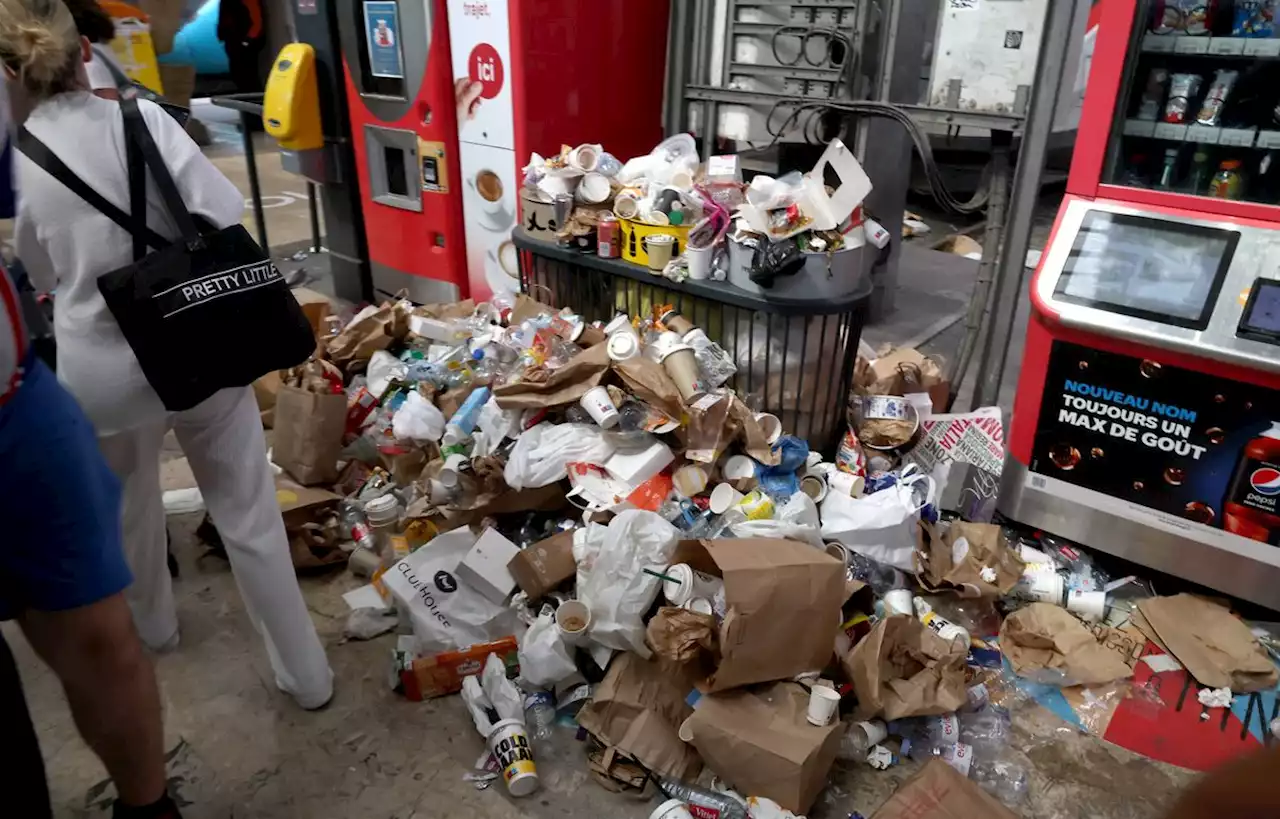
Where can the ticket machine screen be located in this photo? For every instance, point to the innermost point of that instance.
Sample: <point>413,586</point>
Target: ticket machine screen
<point>1154,269</point>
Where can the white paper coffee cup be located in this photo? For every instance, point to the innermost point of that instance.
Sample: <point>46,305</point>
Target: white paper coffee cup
<point>671,809</point>
<point>449,473</point>
<point>699,259</point>
<point>600,407</point>
<point>690,480</point>
<point>823,703</point>
<point>815,486</point>
<point>723,498</point>
<point>573,620</point>
<point>687,583</point>
<point>1090,605</point>
<point>842,483</point>
<point>770,425</point>
<point>738,467</point>
<point>874,732</point>
<point>898,601</point>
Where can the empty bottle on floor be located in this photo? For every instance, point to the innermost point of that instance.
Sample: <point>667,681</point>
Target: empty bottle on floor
<point>703,803</point>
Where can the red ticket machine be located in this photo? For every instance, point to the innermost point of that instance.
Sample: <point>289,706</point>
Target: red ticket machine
<point>1146,422</point>
<point>403,128</point>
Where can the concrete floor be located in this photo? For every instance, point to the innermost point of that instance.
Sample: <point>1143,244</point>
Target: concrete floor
<point>242,749</point>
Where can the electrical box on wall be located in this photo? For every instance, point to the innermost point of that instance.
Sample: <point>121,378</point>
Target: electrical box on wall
<point>984,58</point>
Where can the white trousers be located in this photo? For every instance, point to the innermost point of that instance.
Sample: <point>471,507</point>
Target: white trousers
<point>223,441</point>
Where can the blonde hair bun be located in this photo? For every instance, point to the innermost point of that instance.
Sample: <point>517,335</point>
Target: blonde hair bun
<point>38,40</point>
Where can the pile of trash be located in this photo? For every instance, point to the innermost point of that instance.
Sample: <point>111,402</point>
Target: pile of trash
<point>667,211</point>
<point>577,525</point>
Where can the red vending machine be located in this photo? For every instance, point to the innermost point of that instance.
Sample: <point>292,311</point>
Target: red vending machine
<point>531,75</point>
<point>1146,422</point>
<point>399,83</point>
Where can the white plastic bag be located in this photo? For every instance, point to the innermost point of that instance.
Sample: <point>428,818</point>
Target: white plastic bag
<point>493,427</point>
<point>881,526</point>
<point>383,367</point>
<point>797,519</point>
<point>502,693</point>
<point>477,703</point>
<point>541,453</point>
<point>417,420</point>
<point>617,589</point>
<point>544,659</point>
<point>587,542</point>
<point>446,614</point>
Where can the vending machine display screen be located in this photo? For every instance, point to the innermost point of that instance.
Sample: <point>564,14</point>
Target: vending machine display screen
<point>1261,319</point>
<point>1154,269</point>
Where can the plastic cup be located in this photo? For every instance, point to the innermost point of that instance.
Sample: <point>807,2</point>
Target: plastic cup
<point>659,246</point>
<point>823,703</point>
<point>690,480</point>
<point>509,743</point>
<point>671,809</point>
<point>1091,606</point>
<point>815,486</point>
<point>573,618</point>
<point>450,471</point>
<point>898,601</point>
<point>682,366</point>
<point>699,259</point>
<point>770,425</point>
<point>723,498</point>
<point>600,407</point>
<point>688,583</point>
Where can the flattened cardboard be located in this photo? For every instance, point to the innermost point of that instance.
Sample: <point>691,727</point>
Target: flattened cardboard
<point>782,600</point>
<point>760,743</point>
<point>638,709</point>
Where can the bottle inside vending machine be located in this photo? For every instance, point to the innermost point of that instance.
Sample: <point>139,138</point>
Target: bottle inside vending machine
<point>1253,501</point>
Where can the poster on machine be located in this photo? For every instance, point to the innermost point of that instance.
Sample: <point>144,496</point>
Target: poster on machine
<point>1194,446</point>
<point>382,38</point>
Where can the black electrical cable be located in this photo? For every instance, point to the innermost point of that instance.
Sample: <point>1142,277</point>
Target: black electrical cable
<point>828,57</point>
<point>814,110</point>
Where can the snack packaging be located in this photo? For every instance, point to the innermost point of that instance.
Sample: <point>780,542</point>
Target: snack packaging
<point>1216,99</point>
<point>1253,18</point>
<point>1182,89</point>
<point>1153,95</point>
<point>1193,17</point>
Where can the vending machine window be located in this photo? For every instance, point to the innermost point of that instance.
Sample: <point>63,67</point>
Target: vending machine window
<point>1199,111</point>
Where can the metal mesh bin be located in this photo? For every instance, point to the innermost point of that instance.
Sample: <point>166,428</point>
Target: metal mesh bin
<point>794,355</point>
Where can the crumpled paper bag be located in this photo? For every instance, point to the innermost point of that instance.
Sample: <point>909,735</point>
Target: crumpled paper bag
<point>902,371</point>
<point>682,636</point>
<point>651,384</point>
<point>903,669</point>
<point>1049,645</point>
<point>747,430</point>
<point>373,330</point>
<point>972,559</point>
<point>1216,647</point>
<point>565,385</point>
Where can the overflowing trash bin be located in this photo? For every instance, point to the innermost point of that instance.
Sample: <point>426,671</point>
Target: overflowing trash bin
<point>575,519</point>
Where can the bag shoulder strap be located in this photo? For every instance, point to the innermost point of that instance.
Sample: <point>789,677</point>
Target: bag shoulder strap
<point>137,192</point>
<point>136,129</point>
<point>40,154</point>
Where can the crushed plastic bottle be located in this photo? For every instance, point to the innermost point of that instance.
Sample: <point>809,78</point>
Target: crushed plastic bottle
<point>703,803</point>
<point>540,714</point>
<point>880,577</point>
<point>977,750</point>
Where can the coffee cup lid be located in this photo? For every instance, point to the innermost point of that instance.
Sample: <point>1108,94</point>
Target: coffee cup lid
<point>622,346</point>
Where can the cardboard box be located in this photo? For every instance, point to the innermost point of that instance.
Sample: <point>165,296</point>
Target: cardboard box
<point>316,307</point>
<point>939,791</point>
<point>782,607</point>
<point>544,565</point>
<point>760,743</point>
<point>484,568</point>
<point>442,674</point>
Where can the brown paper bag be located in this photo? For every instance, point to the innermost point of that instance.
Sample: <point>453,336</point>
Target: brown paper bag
<point>760,743</point>
<point>681,636</point>
<point>748,431</point>
<point>527,307</point>
<point>308,434</point>
<point>1048,644</point>
<point>782,601</point>
<point>651,384</point>
<point>359,340</point>
<point>564,386</point>
<point>265,390</point>
<point>544,565</point>
<point>451,310</point>
<point>903,669</point>
<point>939,791</point>
<point>1216,647</point>
<point>708,429</point>
<point>638,708</point>
<point>905,370</point>
<point>956,560</point>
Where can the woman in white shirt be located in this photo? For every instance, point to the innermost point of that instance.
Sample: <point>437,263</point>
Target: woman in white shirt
<point>64,241</point>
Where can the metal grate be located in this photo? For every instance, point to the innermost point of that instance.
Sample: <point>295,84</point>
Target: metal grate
<point>795,359</point>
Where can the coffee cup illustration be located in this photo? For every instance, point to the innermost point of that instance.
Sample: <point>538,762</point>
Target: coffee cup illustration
<point>488,186</point>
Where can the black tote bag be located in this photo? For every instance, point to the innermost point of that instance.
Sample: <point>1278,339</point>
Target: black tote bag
<point>202,313</point>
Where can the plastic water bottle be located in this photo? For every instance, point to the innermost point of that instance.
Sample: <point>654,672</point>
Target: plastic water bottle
<point>703,803</point>
<point>540,714</point>
<point>975,750</point>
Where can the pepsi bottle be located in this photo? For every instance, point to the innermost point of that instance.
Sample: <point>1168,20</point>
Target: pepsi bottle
<point>1252,509</point>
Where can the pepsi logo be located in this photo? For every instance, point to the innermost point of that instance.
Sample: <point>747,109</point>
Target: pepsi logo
<point>1265,480</point>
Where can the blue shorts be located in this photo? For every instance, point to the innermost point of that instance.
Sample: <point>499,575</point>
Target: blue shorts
<point>59,503</point>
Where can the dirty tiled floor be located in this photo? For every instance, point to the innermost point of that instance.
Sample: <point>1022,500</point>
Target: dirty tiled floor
<point>241,749</point>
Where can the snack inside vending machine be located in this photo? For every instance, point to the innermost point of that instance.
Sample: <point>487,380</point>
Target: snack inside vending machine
<point>1146,422</point>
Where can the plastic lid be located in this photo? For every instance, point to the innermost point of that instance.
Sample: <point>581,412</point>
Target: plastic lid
<point>382,508</point>
<point>622,346</point>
